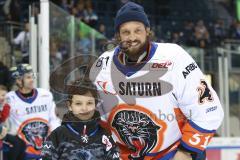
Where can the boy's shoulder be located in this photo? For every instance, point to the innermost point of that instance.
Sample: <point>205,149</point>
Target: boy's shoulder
<point>105,127</point>
<point>58,132</point>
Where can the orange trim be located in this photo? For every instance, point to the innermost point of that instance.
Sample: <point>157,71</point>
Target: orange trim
<point>180,117</point>
<point>195,138</point>
<point>31,150</point>
<point>166,151</point>
<point>161,154</point>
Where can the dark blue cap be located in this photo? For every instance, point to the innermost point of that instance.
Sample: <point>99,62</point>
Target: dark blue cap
<point>130,12</point>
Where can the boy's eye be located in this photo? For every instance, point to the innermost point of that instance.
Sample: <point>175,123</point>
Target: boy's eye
<point>78,103</point>
<point>90,102</point>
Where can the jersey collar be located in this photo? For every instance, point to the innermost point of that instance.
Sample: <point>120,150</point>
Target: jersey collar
<point>29,99</point>
<point>129,70</point>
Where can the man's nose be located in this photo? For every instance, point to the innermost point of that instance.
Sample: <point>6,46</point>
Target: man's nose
<point>132,37</point>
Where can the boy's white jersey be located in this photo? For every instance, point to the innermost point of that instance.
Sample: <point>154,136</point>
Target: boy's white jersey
<point>145,104</point>
<point>32,118</point>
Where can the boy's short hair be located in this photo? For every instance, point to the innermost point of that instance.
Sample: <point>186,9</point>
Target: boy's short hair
<point>4,88</point>
<point>81,88</point>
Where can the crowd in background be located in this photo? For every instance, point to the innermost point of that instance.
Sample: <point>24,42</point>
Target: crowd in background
<point>198,33</point>
<point>203,35</point>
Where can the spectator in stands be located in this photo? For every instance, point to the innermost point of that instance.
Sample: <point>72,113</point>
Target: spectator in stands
<point>235,30</point>
<point>90,17</point>
<point>12,10</point>
<point>66,5</point>
<point>219,31</point>
<point>188,33</point>
<point>22,39</point>
<point>102,29</point>
<point>55,55</point>
<point>4,75</point>
<point>78,9</point>
<point>175,38</point>
<point>201,34</point>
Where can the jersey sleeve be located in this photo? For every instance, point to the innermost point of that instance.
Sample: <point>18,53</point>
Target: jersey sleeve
<point>199,103</point>
<point>54,121</point>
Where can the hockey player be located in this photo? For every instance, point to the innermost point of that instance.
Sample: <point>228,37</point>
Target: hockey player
<point>155,97</point>
<point>32,112</point>
<point>80,137</point>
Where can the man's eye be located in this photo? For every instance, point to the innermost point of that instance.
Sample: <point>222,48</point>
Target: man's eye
<point>125,32</point>
<point>78,103</point>
<point>138,31</point>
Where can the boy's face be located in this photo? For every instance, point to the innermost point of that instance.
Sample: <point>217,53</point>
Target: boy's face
<point>83,106</point>
<point>2,95</point>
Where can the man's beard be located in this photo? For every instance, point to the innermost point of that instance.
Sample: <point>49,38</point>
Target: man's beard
<point>128,47</point>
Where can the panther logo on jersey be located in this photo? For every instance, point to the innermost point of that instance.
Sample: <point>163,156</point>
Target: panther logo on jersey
<point>34,132</point>
<point>204,93</point>
<point>137,129</point>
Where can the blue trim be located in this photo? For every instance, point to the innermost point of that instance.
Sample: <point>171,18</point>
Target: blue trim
<point>169,156</point>
<point>191,148</point>
<point>32,156</point>
<point>200,129</point>
<point>29,99</point>
<point>74,131</point>
<point>130,70</point>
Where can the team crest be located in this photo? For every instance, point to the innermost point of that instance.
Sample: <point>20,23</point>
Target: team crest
<point>138,129</point>
<point>34,132</point>
<point>204,93</point>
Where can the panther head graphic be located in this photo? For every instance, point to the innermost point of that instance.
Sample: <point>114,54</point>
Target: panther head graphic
<point>136,130</point>
<point>204,92</point>
<point>35,133</point>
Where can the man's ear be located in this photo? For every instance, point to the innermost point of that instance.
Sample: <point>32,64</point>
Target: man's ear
<point>19,82</point>
<point>148,31</point>
<point>117,36</point>
<point>69,106</point>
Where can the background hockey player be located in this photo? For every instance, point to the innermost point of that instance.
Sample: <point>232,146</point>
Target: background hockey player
<point>140,80</point>
<point>32,112</point>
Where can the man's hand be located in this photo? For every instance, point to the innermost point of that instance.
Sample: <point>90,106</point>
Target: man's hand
<point>181,155</point>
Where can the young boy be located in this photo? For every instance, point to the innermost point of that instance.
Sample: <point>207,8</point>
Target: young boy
<point>80,137</point>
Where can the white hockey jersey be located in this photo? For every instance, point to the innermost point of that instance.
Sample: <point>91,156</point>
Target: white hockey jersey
<point>155,105</point>
<point>32,118</point>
